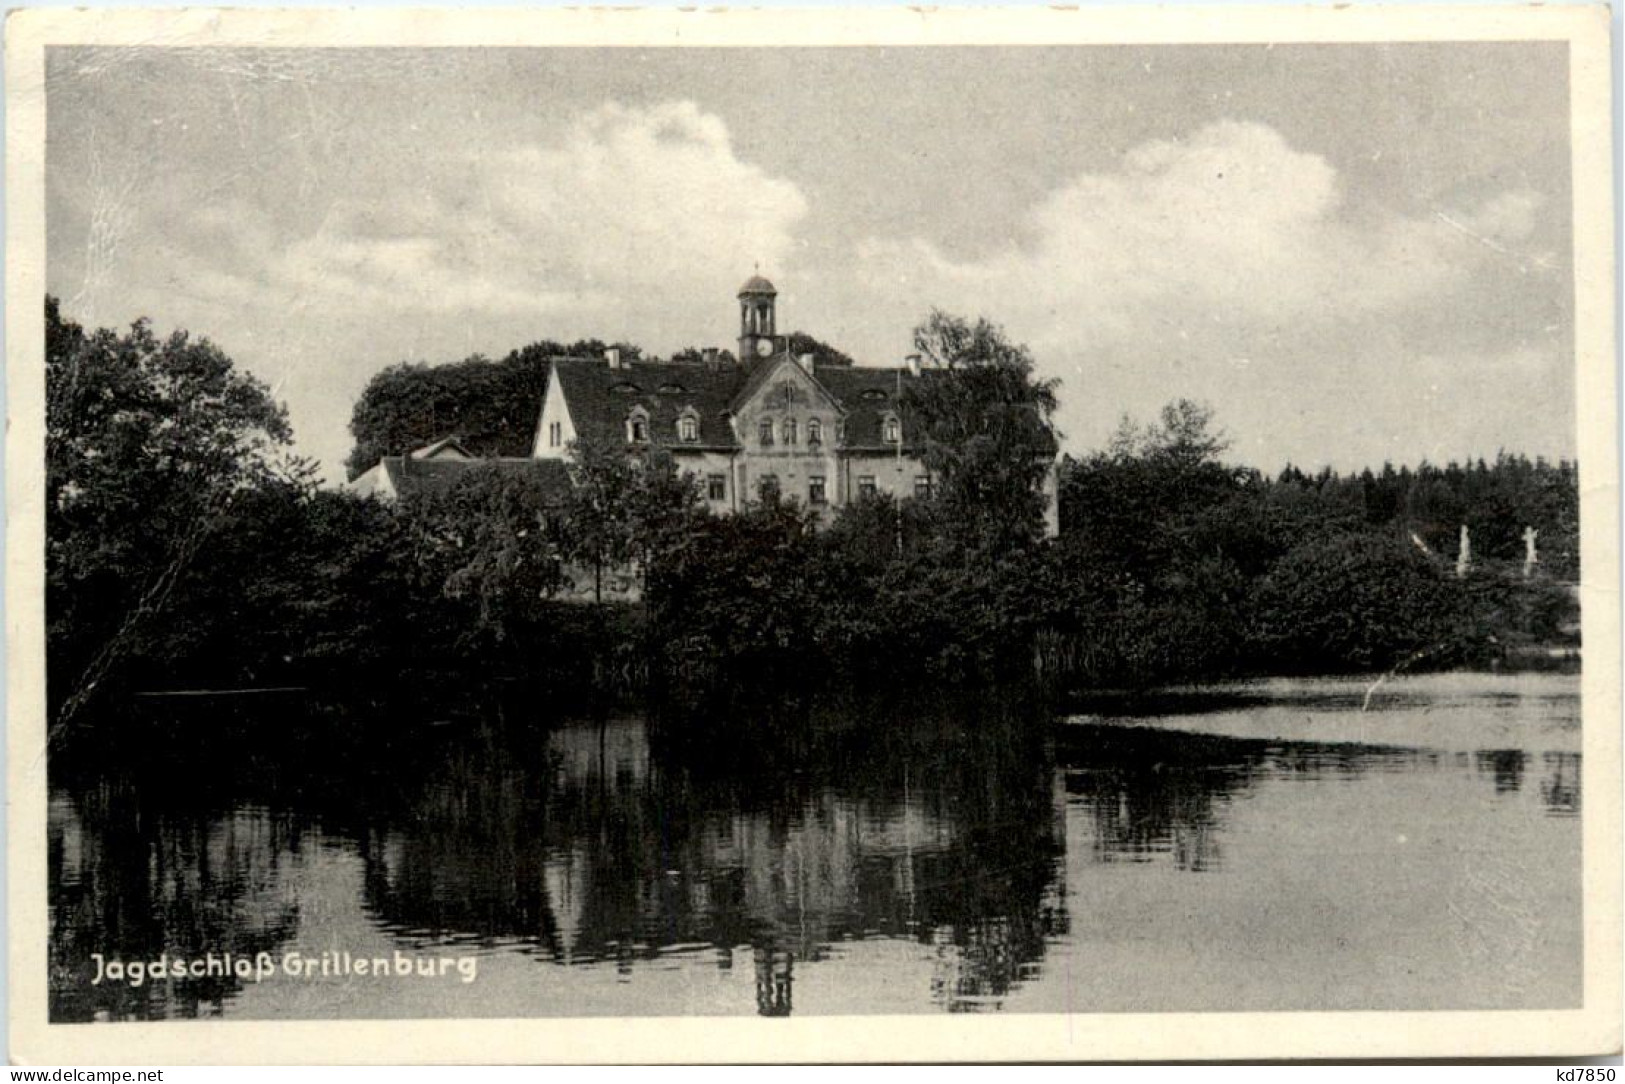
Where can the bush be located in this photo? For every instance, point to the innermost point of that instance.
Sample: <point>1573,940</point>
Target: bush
<point>1357,601</point>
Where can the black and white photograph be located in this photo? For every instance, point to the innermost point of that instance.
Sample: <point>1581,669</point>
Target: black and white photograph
<point>630,525</point>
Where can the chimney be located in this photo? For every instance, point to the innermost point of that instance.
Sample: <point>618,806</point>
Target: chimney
<point>806,361</point>
<point>613,356</point>
<point>913,361</point>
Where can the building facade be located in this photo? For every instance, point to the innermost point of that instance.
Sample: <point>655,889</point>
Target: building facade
<point>823,435</point>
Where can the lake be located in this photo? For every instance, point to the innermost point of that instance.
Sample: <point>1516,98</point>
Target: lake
<point>1285,844</point>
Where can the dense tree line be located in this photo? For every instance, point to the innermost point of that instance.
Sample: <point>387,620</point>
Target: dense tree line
<point>1206,568</point>
<point>187,546</point>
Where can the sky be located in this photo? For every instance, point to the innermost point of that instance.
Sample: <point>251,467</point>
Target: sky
<point>1352,253</point>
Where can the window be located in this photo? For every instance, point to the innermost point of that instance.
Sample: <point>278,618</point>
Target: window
<point>922,487</point>
<point>764,433</point>
<point>673,389</point>
<point>866,485</point>
<point>789,430</point>
<point>815,490</point>
<point>767,487</point>
<point>815,432</point>
<point>688,428</point>
<point>716,487</point>
<point>637,427</point>
<point>874,395</point>
<point>555,434</point>
<point>893,431</point>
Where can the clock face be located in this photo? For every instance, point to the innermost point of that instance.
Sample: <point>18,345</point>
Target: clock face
<point>764,347</point>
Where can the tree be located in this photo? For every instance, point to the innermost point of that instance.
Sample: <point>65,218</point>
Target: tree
<point>694,355</point>
<point>491,537</point>
<point>626,509</point>
<point>597,516</point>
<point>148,442</point>
<point>799,343</point>
<point>1167,537</point>
<point>491,406</point>
<point>1186,437</point>
<point>743,594</point>
<point>1364,601</point>
<point>984,421</point>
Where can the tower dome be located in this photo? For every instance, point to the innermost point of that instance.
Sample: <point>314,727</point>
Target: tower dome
<point>757,318</point>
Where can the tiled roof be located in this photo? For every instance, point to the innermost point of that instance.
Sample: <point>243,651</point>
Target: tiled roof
<point>600,398</point>
<point>412,476</point>
<point>866,395</point>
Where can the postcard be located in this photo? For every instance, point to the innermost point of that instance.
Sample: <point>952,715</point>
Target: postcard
<point>845,535</point>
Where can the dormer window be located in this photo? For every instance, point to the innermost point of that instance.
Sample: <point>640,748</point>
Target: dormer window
<point>672,389</point>
<point>764,433</point>
<point>790,431</point>
<point>874,395</point>
<point>891,429</point>
<point>815,432</point>
<point>637,426</point>
<point>688,427</point>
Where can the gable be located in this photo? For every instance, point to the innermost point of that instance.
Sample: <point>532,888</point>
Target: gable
<point>555,411</point>
<point>447,448</point>
<point>783,384</point>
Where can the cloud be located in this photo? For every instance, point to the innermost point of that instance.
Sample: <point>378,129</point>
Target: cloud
<point>630,202</point>
<point>634,222</point>
<point>1226,265</point>
<point>1229,266</point>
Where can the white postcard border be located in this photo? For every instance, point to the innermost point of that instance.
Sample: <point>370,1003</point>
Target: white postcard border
<point>1174,1036</point>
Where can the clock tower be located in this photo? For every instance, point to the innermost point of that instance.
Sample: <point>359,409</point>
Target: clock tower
<point>756,331</point>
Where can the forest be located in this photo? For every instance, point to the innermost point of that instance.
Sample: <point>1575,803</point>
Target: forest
<point>188,546</point>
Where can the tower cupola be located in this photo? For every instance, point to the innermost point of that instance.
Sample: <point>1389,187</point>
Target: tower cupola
<point>756,323</point>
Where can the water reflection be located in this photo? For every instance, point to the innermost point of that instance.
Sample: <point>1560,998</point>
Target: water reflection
<point>599,854</point>
<point>1506,765</point>
<point>132,882</point>
<point>1560,788</point>
<point>1152,792</point>
<point>971,843</point>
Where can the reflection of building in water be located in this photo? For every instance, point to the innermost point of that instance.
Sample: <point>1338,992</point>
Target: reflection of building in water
<point>566,875</point>
<point>837,867</point>
<point>608,854</point>
<point>773,980</point>
<point>614,750</point>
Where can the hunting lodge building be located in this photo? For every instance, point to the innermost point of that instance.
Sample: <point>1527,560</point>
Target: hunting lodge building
<point>824,435</point>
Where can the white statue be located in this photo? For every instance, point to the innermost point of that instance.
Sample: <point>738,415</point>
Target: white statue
<point>1464,555</point>
<point>1531,557</point>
